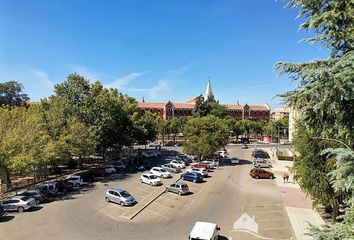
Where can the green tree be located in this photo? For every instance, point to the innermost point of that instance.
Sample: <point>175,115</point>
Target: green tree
<point>23,145</point>
<point>324,99</point>
<point>200,108</point>
<point>145,126</point>
<point>205,135</point>
<point>11,94</point>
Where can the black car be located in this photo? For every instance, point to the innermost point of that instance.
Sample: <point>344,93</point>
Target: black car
<point>2,212</point>
<point>143,166</point>
<point>65,186</point>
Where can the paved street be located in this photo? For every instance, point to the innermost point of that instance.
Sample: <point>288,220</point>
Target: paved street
<point>223,198</point>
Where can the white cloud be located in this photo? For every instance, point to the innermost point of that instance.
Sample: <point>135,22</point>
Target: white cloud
<point>123,81</point>
<point>86,72</point>
<point>162,88</point>
<point>42,77</point>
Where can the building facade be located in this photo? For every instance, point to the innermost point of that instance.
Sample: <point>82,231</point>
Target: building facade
<point>237,111</point>
<point>279,113</point>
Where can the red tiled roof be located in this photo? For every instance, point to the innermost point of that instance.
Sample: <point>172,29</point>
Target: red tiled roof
<point>151,105</point>
<point>191,105</point>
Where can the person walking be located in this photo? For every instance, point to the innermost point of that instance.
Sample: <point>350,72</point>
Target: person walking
<point>287,177</point>
<point>284,177</point>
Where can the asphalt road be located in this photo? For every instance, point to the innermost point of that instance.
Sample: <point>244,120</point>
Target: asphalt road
<point>223,198</point>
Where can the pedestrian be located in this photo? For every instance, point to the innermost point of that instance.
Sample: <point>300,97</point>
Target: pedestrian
<point>284,177</point>
<point>287,177</point>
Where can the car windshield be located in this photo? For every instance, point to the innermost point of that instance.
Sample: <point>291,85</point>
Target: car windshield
<point>124,194</point>
<point>25,198</point>
<point>163,170</point>
<point>153,177</point>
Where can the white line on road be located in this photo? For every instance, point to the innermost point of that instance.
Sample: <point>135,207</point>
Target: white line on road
<point>158,214</point>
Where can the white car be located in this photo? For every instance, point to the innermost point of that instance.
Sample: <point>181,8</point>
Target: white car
<point>150,179</point>
<point>75,180</point>
<point>204,230</point>
<point>109,169</point>
<point>222,153</point>
<point>235,160</point>
<point>178,163</point>
<point>211,162</point>
<point>160,172</point>
<point>204,172</point>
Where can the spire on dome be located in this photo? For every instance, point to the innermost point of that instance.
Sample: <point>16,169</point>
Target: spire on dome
<point>208,95</point>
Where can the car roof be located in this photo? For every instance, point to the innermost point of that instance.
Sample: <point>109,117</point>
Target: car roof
<point>157,168</point>
<point>203,230</point>
<point>116,189</point>
<point>181,183</point>
<point>148,174</point>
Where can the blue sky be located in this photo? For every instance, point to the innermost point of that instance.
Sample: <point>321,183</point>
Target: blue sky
<point>160,49</point>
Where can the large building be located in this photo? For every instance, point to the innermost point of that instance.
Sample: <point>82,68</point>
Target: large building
<point>170,109</point>
<point>279,113</point>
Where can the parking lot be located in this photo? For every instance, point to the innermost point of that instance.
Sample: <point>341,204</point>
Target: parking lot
<point>223,198</point>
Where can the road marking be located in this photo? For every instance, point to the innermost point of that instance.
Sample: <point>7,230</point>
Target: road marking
<point>158,214</point>
<point>169,208</point>
<point>108,215</point>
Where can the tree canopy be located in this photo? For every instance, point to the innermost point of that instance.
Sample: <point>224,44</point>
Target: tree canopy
<point>11,94</point>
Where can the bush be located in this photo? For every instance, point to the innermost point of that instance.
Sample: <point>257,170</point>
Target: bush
<point>283,158</point>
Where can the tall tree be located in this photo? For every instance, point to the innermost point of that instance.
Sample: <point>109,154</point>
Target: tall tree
<point>11,94</point>
<point>205,135</point>
<point>325,98</point>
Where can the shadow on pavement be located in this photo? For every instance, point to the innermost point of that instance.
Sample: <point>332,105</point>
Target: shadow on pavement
<point>34,209</point>
<point>6,218</point>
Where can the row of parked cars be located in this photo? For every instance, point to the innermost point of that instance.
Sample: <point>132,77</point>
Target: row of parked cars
<point>195,173</point>
<point>261,161</point>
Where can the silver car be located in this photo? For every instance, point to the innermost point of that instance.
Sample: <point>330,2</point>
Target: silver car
<point>18,203</point>
<point>119,196</point>
<point>178,187</point>
<point>171,168</point>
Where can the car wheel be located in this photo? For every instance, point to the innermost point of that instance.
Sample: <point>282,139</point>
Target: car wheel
<point>20,209</point>
<point>194,180</point>
<point>151,184</point>
<point>271,177</point>
<point>37,201</point>
<point>77,185</point>
<point>257,177</point>
<point>107,199</point>
<point>167,190</point>
<point>121,203</point>
<point>141,180</point>
<point>179,193</point>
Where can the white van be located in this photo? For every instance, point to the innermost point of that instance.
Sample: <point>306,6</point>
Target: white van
<point>260,162</point>
<point>204,231</point>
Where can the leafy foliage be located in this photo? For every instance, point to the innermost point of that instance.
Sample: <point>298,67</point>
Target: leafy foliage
<point>331,20</point>
<point>205,135</point>
<point>11,94</point>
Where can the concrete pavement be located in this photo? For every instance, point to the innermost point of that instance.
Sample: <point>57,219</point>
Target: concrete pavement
<point>297,204</point>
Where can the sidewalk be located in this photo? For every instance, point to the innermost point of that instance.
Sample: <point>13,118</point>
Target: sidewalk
<point>297,204</point>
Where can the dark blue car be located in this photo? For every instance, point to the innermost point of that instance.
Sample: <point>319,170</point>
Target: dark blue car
<point>192,176</point>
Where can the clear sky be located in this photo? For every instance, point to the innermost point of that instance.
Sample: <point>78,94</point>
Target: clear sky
<point>160,49</point>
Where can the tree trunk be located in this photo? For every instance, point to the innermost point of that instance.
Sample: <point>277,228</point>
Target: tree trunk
<point>335,210</point>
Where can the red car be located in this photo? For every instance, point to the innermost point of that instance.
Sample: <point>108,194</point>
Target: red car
<point>201,166</point>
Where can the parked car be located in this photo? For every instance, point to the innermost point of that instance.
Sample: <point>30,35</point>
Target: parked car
<point>2,212</point>
<point>260,153</point>
<point>191,157</point>
<point>244,146</point>
<point>119,196</point>
<point>109,169</point>
<point>154,144</point>
<point>119,166</point>
<point>36,194</point>
<point>171,168</point>
<point>169,144</point>
<point>235,160</point>
<point>260,162</point>
<point>160,172</point>
<point>222,153</point>
<point>86,175</point>
<point>285,143</point>
<point>143,166</point>
<point>211,163</point>
<point>47,188</point>
<point>178,163</point>
<point>200,165</point>
<point>186,160</point>
<point>261,173</point>
<point>204,172</point>
<point>192,176</point>
<point>150,154</point>
<point>204,230</point>
<point>150,179</point>
<point>99,172</point>
<point>75,180</point>
<point>65,186</point>
<point>180,188</point>
<point>18,203</point>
